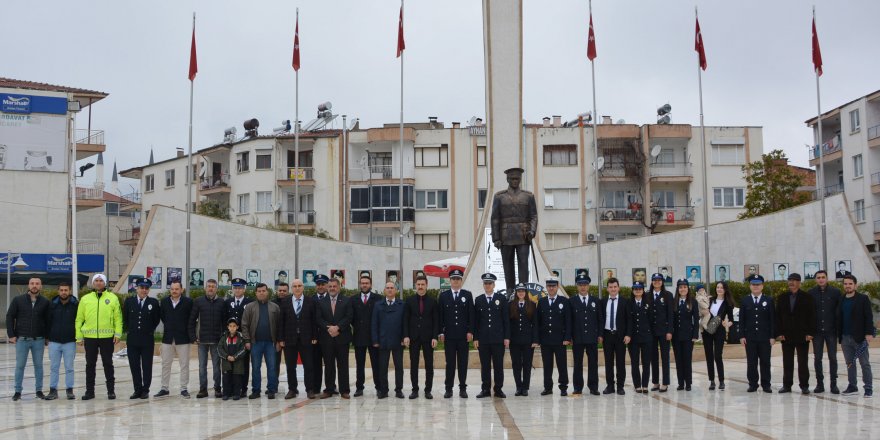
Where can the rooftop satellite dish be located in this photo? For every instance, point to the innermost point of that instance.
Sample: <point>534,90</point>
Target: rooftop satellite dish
<point>353,124</point>
<point>472,121</point>
<point>621,121</point>
<point>587,116</point>
<point>406,228</point>
<point>697,202</point>
<point>655,150</point>
<point>664,120</point>
<point>665,109</point>
<point>600,162</point>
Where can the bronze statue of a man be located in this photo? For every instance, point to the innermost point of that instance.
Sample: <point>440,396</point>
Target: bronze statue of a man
<point>514,225</point>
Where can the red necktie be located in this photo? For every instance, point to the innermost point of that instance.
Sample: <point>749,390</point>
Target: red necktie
<point>365,298</point>
<point>421,305</point>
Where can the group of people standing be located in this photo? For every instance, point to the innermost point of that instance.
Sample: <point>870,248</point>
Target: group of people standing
<point>238,334</point>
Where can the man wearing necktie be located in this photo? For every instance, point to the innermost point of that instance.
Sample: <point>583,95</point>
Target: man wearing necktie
<point>554,333</point>
<point>334,323</point>
<point>317,352</point>
<point>387,336</point>
<point>362,306</point>
<point>491,336</point>
<point>757,322</point>
<point>140,314</point>
<point>587,319</point>
<point>234,309</point>
<point>456,323</point>
<point>615,337</point>
<point>299,333</point>
<point>421,324</point>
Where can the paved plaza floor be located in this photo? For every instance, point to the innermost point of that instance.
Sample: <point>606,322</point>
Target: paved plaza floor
<point>699,414</point>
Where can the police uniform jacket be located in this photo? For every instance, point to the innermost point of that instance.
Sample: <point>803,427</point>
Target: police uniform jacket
<point>421,327</point>
<point>456,316</point>
<point>235,312</point>
<point>523,329</point>
<point>554,320</point>
<point>756,321</point>
<point>640,329</point>
<point>661,312</point>
<point>586,320</point>
<point>362,314</point>
<point>491,320</point>
<point>141,322</point>
<point>687,320</point>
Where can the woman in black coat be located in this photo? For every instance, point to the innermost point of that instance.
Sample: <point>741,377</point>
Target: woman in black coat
<point>713,344</point>
<point>640,337</point>
<point>685,331</point>
<point>523,339</point>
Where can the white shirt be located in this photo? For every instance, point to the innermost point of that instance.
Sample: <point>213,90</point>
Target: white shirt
<point>608,312</point>
<point>584,299</point>
<point>716,305</point>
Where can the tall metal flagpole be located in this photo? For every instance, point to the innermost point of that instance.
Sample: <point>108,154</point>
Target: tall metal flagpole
<point>296,202</point>
<point>820,186</point>
<point>400,159</point>
<point>703,165</point>
<point>189,178</point>
<point>75,260</point>
<point>596,169</point>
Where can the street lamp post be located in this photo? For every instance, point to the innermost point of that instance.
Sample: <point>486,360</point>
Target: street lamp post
<point>19,264</point>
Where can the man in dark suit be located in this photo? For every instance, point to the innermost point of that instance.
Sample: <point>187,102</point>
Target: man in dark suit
<point>299,333</point>
<point>235,309</point>
<point>141,315</point>
<point>491,336</point>
<point>175,311</point>
<point>615,337</point>
<point>554,333</point>
<point>334,323</point>
<point>855,325</point>
<point>421,324</point>
<point>456,318</point>
<point>795,328</point>
<point>387,335</point>
<point>362,308</point>
<point>317,352</point>
<point>661,321</point>
<point>587,319</point>
<point>757,321</point>
<point>827,298</point>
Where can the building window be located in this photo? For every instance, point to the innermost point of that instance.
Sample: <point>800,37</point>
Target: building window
<point>481,155</point>
<point>664,199</point>
<point>243,161</point>
<point>111,209</point>
<point>729,197</point>
<point>560,240</point>
<point>728,155</point>
<point>169,178</point>
<point>149,183</point>
<point>305,159</point>
<point>560,155</point>
<point>382,205</point>
<point>264,159</point>
<point>264,201</point>
<point>854,123</point>
<point>561,198</point>
<point>481,198</point>
<point>434,242</point>
<point>195,172</point>
<point>382,240</point>
<point>244,203</point>
<point>860,210</point>
<point>857,166</point>
<point>432,156</point>
<point>619,199</point>
<point>431,199</point>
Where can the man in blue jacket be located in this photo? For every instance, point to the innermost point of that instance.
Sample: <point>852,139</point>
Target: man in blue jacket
<point>387,332</point>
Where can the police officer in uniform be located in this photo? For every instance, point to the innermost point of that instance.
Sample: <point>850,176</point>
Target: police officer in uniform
<point>757,322</point>
<point>640,337</point>
<point>140,313</point>
<point>456,320</point>
<point>661,322</point>
<point>554,332</point>
<point>523,338</point>
<point>491,335</point>
<point>685,331</point>
<point>234,309</point>
<point>586,332</point>
<point>317,353</point>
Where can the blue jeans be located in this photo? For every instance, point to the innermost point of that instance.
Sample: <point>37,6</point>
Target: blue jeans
<point>204,351</point>
<point>260,349</point>
<point>56,352</point>
<point>35,347</point>
<point>850,347</point>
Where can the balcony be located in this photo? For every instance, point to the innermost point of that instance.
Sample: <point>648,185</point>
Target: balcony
<point>214,184</point>
<point>831,150</point>
<point>89,246</point>
<point>876,229</point>
<point>88,198</point>
<point>382,217</point>
<point>373,173</point>
<point>831,190</point>
<point>672,217</point>
<point>89,143</point>
<point>875,183</point>
<point>129,237</point>
<point>306,219</point>
<point>671,172</point>
<point>288,176</point>
<point>617,216</point>
<point>619,172</point>
<point>874,136</point>
<point>132,202</point>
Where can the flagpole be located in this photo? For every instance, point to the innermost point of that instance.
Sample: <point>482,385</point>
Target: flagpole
<point>296,201</point>
<point>400,159</point>
<point>703,165</point>
<point>596,166</point>
<point>820,187</point>
<point>188,178</point>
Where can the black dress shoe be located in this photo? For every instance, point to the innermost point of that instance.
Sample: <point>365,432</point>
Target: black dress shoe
<point>414,395</point>
<point>664,389</point>
<point>518,392</point>
<point>594,392</point>
<point>243,394</point>
<point>88,395</point>
<point>202,393</point>
<point>687,387</point>
<point>462,394</point>
<point>500,394</point>
<point>820,388</point>
<point>546,392</point>
<point>236,397</point>
<point>608,390</point>
<point>655,388</point>
<point>53,394</point>
<point>225,397</point>
<point>483,394</point>
<point>161,393</point>
<point>428,395</point>
<point>447,394</point>
<point>218,394</point>
<point>752,389</point>
<point>381,395</point>
<point>136,395</point>
<point>40,395</point>
<point>111,395</point>
<point>768,390</point>
<point>563,392</point>
<point>399,394</point>
<point>17,396</point>
<point>254,395</point>
<point>145,394</point>
<point>834,389</point>
<point>358,392</point>
<point>620,392</point>
<point>680,387</point>
<point>712,386</point>
<point>184,394</point>
<point>783,390</point>
<point>290,395</point>
<point>805,390</point>
<point>270,395</point>
<point>70,395</point>
<point>524,393</point>
<point>721,385</point>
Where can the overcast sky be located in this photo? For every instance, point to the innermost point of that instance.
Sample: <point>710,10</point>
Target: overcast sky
<point>760,70</point>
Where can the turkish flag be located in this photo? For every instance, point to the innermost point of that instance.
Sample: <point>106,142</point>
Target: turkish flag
<point>591,42</point>
<point>193,64</point>
<point>817,53</point>
<point>296,47</point>
<point>400,44</point>
<point>698,46</point>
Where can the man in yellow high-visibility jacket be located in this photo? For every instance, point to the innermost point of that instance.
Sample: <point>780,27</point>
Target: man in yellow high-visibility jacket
<point>98,328</point>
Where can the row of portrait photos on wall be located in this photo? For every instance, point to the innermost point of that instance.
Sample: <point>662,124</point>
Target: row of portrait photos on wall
<point>694,274</point>
<point>197,277</point>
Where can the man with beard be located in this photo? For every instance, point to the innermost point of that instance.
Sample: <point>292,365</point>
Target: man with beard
<point>26,322</point>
